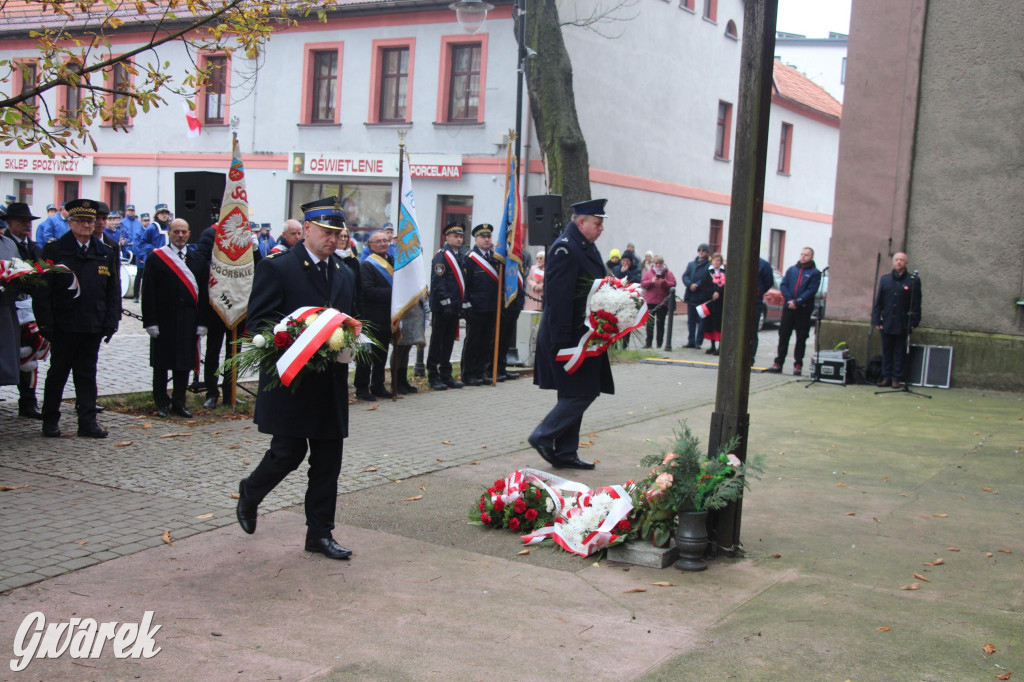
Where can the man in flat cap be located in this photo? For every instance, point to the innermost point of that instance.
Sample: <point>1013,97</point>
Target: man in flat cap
<point>447,295</point>
<point>314,416</point>
<point>482,294</point>
<point>76,323</point>
<point>573,260</point>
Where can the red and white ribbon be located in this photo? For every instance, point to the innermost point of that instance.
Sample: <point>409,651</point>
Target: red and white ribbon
<point>311,339</point>
<point>484,264</point>
<point>574,357</point>
<point>11,270</point>
<point>453,265</point>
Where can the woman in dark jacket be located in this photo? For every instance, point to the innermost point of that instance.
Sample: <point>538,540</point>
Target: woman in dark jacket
<point>712,290</point>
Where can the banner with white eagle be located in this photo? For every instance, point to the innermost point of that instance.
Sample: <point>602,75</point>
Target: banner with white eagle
<point>232,265</point>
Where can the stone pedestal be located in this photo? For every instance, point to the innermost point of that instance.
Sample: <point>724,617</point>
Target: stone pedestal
<point>643,553</point>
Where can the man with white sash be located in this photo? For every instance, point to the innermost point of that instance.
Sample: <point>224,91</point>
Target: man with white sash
<point>376,277</point>
<point>175,307</point>
<point>482,294</point>
<point>447,295</point>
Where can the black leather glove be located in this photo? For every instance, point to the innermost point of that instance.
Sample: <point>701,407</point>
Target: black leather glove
<point>46,333</point>
<point>107,334</point>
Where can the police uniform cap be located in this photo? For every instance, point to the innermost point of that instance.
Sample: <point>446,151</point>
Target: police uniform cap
<point>454,228</point>
<point>594,207</point>
<point>19,210</point>
<point>51,207</point>
<point>161,208</point>
<point>144,216</point>
<point>10,199</point>
<point>388,226</point>
<point>81,208</point>
<point>130,207</point>
<point>115,214</point>
<point>327,213</point>
<point>483,230</point>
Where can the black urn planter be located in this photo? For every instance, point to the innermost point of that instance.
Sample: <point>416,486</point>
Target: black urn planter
<point>692,541</point>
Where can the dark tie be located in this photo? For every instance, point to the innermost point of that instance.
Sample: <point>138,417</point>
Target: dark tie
<point>181,255</point>
<point>85,249</point>
<point>322,267</point>
<point>23,249</point>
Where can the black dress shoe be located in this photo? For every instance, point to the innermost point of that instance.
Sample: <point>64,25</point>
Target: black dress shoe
<point>472,381</point>
<point>438,385</point>
<point>380,392</point>
<point>245,510</point>
<point>453,383</point>
<point>544,451</point>
<point>182,411</point>
<point>575,463</point>
<point>511,376</point>
<point>51,430</point>
<point>91,431</point>
<point>499,378</point>
<point>210,403</point>
<point>328,547</point>
<point>29,412</point>
<point>163,412</point>
<point>365,395</point>
<point>407,389</point>
<point>100,408</point>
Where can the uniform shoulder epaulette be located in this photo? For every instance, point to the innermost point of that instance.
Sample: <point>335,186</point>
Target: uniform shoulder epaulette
<point>51,239</point>
<point>273,255</point>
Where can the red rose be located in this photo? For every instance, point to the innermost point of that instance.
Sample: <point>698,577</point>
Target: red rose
<point>538,495</point>
<point>499,485</point>
<point>491,490</point>
<point>499,505</point>
<point>483,505</point>
<point>485,518</point>
<point>623,525</point>
<point>282,339</point>
<point>519,507</point>
<point>513,524</point>
<point>531,514</point>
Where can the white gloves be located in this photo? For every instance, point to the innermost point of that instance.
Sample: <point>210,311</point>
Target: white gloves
<point>153,331</point>
<point>201,331</point>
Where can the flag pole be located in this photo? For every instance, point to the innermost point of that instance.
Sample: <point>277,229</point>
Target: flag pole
<point>501,272</point>
<point>401,165</point>
<point>229,353</point>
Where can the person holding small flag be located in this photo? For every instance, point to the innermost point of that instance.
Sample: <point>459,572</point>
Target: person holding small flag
<point>482,294</point>
<point>447,297</point>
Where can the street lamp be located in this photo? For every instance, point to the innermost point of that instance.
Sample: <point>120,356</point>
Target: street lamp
<point>471,14</point>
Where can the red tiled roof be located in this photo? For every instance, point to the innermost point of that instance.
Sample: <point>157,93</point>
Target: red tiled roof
<point>793,86</point>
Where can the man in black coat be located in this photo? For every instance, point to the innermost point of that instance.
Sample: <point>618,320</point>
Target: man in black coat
<point>896,313</point>
<point>76,325</point>
<point>572,263</point>
<point>376,275</point>
<point>696,271</point>
<point>447,295</point>
<point>482,293</point>
<point>314,415</point>
<point>509,321</point>
<point>19,229</point>
<point>175,306</point>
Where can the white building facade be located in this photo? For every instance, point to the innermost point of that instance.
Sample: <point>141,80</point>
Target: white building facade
<point>320,113</point>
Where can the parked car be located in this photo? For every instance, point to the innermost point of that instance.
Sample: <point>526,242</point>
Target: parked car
<point>773,304</point>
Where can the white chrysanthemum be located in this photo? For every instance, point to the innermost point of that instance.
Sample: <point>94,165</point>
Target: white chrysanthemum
<point>549,505</point>
<point>619,302</point>
<point>311,319</point>
<point>280,327</point>
<point>259,341</point>
<point>337,339</point>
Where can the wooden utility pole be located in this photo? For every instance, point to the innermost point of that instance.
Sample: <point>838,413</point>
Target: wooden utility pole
<point>730,417</point>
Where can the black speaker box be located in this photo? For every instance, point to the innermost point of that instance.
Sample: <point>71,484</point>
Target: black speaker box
<point>543,218</point>
<point>197,197</point>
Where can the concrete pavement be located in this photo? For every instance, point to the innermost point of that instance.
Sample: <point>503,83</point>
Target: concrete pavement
<point>862,491</point>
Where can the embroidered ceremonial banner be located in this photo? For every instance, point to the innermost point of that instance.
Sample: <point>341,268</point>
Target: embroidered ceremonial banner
<point>232,266</point>
<point>508,245</point>
<point>410,277</point>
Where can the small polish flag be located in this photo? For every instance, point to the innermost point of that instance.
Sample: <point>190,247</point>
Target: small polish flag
<point>703,310</point>
<point>194,126</point>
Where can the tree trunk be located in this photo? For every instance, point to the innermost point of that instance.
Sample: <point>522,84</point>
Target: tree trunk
<point>553,105</point>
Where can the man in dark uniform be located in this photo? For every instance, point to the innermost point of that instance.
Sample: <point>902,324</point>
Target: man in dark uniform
<point>376,274</point>
<point>509,320</point>
<point>19,228</point>
<point>447,294</point>
<point>896,313</point>
<point>175,306</point>
<point>572,261</point>
<point>315,415</point>
<point>481,270</point>
<point>75,326</point>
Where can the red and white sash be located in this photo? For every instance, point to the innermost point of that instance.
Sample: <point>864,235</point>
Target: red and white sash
<point>311,339</point>
<point>484,265</point>
<point>453,264</point>
<point>169,256</point>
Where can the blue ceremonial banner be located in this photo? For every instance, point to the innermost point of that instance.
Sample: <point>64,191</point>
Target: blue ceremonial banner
<point>409,283</point>
<point>508,245</point>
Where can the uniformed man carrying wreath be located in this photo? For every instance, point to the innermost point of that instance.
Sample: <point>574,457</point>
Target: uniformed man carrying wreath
<point>447,294</point>
<point>572,263</point>
<point>482,293</point>
<point>314,416</point>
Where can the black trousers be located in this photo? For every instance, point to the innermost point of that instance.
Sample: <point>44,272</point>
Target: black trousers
<point>656,317</point>
<point>27,389</point>
<point>179,384</point>
<point>508,335</point>
<point>798,320</point>
<point>215,334</point>
<point>479,345</point>
<point>894,356</point>
<point>560,429</point>
<point>370,369</point>
<point>284,456</point>
<point>73,354</point>
<point>400,364</point>
<point>444,328</point>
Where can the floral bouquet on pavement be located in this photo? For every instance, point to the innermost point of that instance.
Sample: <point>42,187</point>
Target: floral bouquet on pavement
<point>22,277</point>
<point>307,340</point>
<point>614,310</point>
